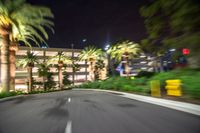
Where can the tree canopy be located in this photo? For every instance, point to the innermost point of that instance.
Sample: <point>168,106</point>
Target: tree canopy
<point>60,57</point>
<point>25,23</point>
<point>172,24</point>
<point>116,51</point>
<point>29,60</point>
<point>91,53</point>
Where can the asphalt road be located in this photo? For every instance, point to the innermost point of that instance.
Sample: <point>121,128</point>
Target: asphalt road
<point>91,112</point>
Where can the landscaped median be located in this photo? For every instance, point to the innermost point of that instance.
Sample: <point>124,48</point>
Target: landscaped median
<point>141,85</point>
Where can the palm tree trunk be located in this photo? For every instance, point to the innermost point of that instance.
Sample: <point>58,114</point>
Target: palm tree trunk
<point>44,78</point>
<point>86,70</point>
<point>73,73</point>
<point>91,71</point>
<point>12,69</point>
<point>161,64</point>
<point>60,77</point>
<point>112,66</point>
<point>30,79</point>
<point>127,68</point>
<point>73,65</point>
<point>5,64</point>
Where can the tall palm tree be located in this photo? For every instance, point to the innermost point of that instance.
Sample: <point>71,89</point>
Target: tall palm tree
<point>123,52</point>
<point>91,54</point>
<point>29,62</point>
<point>60,59</point>
<point>20,22</point>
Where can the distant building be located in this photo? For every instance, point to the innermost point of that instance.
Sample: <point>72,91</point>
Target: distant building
<point>145,62</point>
<point>43,54</point>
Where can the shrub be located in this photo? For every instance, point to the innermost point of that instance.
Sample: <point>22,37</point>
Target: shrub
<point>190,80</point>
<point>191,85</point>
<point>145,74</point>
<point>118,83</point>
<point>66,80</point>
<point>4,94</point>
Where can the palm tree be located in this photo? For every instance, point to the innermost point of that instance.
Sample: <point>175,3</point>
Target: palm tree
<point>60,59</point>
<point>123,52</point>
<point>91,54</point>
<point>15,27</point>
<point>29,62</point>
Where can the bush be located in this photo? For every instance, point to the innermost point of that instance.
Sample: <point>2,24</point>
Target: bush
<point>145,74</point>
<point>162,77</point>
<point>50,83</point>
<point>4,94</point>
<point>191,85</point>
<point>66,80</point>
<point>190,82</point>
<point>120,84</point>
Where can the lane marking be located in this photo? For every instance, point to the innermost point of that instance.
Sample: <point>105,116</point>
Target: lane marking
<point>69,100</point>
<point>68,128</point>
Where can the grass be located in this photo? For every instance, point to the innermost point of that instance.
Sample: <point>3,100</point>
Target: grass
<point>190,82</point>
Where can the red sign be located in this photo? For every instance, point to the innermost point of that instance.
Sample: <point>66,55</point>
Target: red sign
<point>185,51</point>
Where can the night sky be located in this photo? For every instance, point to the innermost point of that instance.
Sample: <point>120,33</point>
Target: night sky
<point>98,21</point>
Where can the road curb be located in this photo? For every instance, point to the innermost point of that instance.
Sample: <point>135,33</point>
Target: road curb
<point>11,97</point>
<point>181,106</point>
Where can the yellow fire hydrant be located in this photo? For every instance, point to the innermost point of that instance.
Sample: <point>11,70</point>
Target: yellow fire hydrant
<point>173,87</point>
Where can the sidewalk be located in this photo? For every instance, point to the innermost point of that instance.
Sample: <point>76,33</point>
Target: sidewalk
<point>181,106</point>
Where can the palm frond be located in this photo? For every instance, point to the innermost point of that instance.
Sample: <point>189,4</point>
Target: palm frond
<point>28,22</point>
<point>91,52</point>
<point>30,57</point>
<point>121,48</point>
<point>61,56</point>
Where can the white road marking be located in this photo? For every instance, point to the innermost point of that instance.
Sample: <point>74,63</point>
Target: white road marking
<point>69,100</point>
<point>68,128</point>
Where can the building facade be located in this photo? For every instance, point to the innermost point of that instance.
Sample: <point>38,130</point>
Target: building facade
<point>43,54</point>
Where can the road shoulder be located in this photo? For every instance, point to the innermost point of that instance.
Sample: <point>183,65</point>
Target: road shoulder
<point>181,106</point>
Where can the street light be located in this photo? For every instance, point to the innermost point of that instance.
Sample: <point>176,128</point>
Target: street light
<point>84,40</point>
<point>108,57</point>
<point>172,50</point>
<point>107,47</point>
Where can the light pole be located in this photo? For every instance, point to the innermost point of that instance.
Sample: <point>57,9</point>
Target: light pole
<point>86,66</point>
<point>108,57</point>
<point>72,45</point>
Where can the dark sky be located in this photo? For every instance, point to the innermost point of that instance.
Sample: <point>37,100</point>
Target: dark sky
<point>98,21</point>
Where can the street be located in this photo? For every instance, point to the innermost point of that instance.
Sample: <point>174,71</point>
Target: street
<point>91,112</point>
